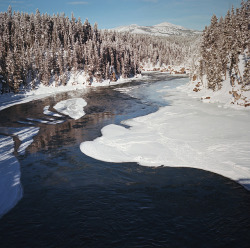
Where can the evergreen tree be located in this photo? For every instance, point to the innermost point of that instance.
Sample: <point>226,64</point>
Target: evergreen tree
<point>39,47</point>
<point>224,44</point>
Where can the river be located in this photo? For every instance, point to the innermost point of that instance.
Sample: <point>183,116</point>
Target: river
<point>72,200</point>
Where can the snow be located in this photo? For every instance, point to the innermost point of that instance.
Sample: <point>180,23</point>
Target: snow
<point>224,97</point>
<point>168,24</point>
<point>72,107</point>
<point>49,122</point>
<point>26,122</point>
<point>76,81</point>
<point>170,69</point>
<point>233,93</point>
<point>10,185</point>
<point>162,29</point>
<point>37,120</point>
<point>47,112</point>
<point>25,135</point>
<point>56,122</point>
<point>187,133</point>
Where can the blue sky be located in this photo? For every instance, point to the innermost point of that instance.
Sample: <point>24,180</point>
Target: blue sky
<point>194,14</point>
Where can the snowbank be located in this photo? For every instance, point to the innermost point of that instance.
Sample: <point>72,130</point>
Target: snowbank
<point>10,185</point>
<point>171,69</point>
<point>25,135</point>
<point>185,134</point>
<point>46,111</point>
<point>235,92</point>
<point>76,81</point>
<point>72,107</point>
<point>228,96</point>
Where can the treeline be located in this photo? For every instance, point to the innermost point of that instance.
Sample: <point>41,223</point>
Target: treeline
<point>225,49</point>
<point>43,48</point>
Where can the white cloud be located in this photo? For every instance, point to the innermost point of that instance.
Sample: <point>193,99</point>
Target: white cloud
<point>78,3</point>
<point>11,2</point>
<point>150,1</point>
<point>16,2</point>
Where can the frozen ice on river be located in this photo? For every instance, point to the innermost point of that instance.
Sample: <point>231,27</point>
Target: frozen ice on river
<point>46,111</point>
<point>10,186</point>
<point>72,107</point>
<point>25,135</point>
<point>188,133</point>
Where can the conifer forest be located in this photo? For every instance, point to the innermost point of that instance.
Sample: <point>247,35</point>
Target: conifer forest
<point>225,48</point>
<point>39,48</point>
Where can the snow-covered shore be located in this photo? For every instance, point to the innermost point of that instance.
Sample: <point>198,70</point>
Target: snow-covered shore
<point>186,134</point>
<point>10,174</point>
<point>75,82</point>
<point>228,96</point>
<point>10,185</point>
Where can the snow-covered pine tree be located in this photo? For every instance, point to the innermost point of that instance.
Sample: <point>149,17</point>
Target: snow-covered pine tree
<point>224,56</point>
<point>46,47</point>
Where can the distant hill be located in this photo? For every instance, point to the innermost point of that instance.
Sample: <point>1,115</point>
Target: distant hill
<point>162,29</point>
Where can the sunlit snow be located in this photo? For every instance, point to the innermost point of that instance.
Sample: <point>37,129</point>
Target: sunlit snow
<point>10,187</point>
<point>162,29</point>
<point>37,120</point>
<point>188,133</point>
<point>72,107</point>
<point>26,135</point>
<point>77,81</point>
<point>46,111</point>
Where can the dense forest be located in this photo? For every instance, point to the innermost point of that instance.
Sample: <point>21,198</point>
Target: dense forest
<point>224,51</point>
<point>39,48</point>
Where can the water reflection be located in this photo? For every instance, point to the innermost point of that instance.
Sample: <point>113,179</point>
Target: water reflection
<point>104,107</point>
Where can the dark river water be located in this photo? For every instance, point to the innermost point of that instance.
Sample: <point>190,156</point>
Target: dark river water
<point>71,200</point>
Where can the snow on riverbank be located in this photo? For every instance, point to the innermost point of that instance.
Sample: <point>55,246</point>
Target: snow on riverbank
<point>72,107</point>
<point>234,91</point>
<point>185,134</point>
<point>76,81</point>
<point>10,185</point>
<point>46,111</point>
<point>228,96</point>
<point>25,135</point>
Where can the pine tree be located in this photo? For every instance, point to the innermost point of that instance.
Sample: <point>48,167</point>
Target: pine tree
<point>41,47</point>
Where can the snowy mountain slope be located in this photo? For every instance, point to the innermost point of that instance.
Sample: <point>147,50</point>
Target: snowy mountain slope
<point>162,29</point>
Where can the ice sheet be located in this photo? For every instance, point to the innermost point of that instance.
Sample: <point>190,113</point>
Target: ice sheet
<point>46,111</point>
<point>10,185</point>
<point>26,135</point>
<point>37,120</point>
<point>72,107</point>
<point>76,81</point>
<point>188,133</point>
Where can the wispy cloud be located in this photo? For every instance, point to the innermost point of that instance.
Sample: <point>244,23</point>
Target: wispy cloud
<point>150,1</point>
<point>17,2</point>
<point>78,3</point>
<point>11,2</point>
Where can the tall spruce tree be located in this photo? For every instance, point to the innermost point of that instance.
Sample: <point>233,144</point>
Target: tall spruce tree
<point>39,47</point>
